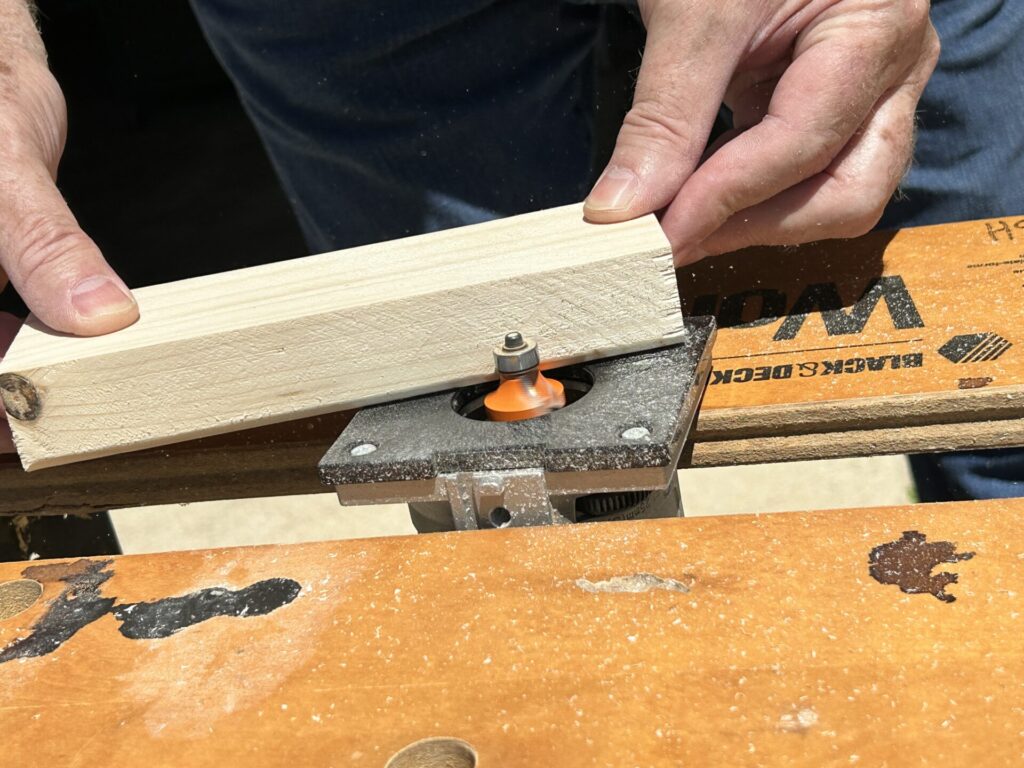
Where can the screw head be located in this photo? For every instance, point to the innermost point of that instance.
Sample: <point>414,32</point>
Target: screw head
<point>636,433</point>
<point>363,449</point>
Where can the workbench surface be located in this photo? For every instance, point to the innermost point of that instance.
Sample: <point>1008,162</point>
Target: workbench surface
<point>818,639</point>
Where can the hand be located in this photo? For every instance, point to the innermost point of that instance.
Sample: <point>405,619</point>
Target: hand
<point>53,264</point>
<point>822,95</point>
<point>55,267</point>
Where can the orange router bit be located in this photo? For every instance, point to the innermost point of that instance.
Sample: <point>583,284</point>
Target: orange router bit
<point>524,392</point>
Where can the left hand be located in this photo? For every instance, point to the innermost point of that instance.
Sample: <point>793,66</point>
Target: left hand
<point>823,95</point>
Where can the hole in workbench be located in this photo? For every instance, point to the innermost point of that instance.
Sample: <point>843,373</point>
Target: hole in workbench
<point>435,753</point>
<point>500,517</point>
<point>18,596</point>
<point>469,402</point>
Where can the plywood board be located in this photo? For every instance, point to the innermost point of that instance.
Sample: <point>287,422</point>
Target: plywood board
<point>860,637</point>
<point>887,329</point>
<point>257,346</point>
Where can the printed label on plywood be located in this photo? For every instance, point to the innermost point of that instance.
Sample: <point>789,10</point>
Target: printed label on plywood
<point>899,313</point>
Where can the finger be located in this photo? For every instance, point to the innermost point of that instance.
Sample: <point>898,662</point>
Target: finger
<point>687,63</point>
<point>55,267</point>
<point>750,94</point>
<point>820,101</point>
<point>9,325</point>
<point>845,200</point>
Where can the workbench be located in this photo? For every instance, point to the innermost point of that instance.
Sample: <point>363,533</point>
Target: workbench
<point>874,637</point>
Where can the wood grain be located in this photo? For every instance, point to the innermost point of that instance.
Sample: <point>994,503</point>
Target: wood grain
<point>746,641</point>
<point>267,344</point>
<point>277,460</point>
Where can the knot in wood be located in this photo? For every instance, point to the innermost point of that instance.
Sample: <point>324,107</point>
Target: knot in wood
<point>21,398</point>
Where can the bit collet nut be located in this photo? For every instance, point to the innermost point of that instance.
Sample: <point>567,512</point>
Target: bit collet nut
<point>516,354</point>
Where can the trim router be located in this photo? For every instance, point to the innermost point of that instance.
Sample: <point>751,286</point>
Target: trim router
<point>594,442</point>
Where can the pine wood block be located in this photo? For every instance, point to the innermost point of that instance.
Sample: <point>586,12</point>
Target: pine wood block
<point>381,322</point>
<point>818,639</point>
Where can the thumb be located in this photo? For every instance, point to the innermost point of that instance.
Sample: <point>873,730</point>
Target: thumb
<point>55,267</point>
<point>688,61</point>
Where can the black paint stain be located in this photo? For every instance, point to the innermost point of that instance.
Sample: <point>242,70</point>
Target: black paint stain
<point>162,618</point>
<point>908,563</point>
<point>80,604</point>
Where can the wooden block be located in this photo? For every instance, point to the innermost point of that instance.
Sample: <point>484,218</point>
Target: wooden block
<point>305,337</point>
<point>830,638</point>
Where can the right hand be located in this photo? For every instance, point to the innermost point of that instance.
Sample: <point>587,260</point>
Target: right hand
<point>55,267</point>
<point>823,96</point>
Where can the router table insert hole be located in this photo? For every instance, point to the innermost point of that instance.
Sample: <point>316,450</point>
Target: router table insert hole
<point>469,402</point>
<point>435,753</point>
<point>500,517</point>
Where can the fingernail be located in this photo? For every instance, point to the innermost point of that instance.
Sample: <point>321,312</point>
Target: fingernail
<point>98,296</point>
<point>614,191</point>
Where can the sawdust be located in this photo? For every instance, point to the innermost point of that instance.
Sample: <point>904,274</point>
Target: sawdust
<point>186,683</point>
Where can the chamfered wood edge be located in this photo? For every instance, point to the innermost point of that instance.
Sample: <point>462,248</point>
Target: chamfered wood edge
<point>281,460</point>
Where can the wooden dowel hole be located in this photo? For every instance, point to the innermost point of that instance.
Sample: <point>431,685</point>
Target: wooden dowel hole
<point>17,596</point>
<point>438,752</point>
